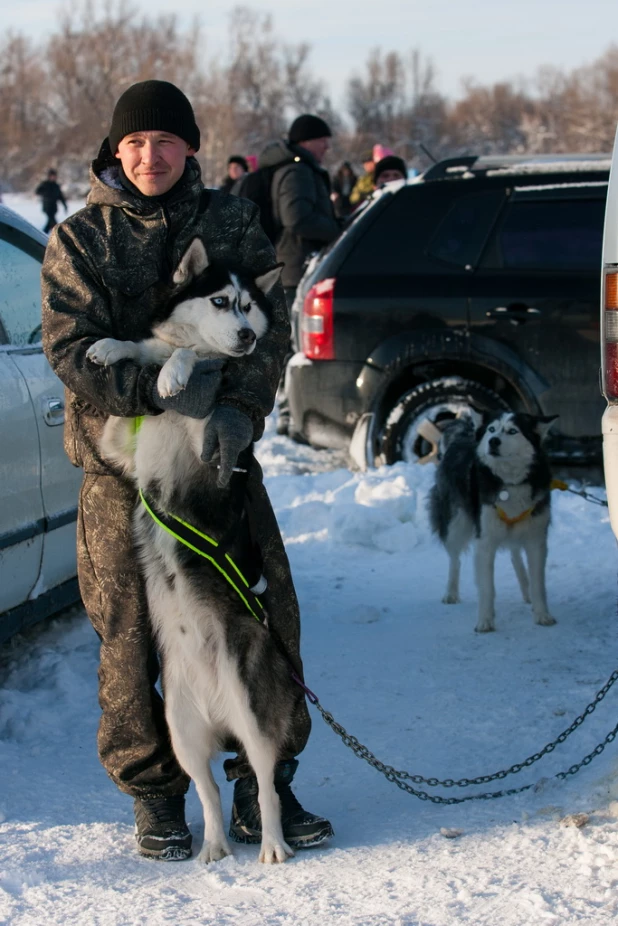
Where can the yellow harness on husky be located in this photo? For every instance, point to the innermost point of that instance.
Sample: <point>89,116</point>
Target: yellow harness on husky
<point>554,484</point>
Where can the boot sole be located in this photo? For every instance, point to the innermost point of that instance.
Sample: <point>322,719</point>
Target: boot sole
<point>251,837</point>
<point>170,854</point>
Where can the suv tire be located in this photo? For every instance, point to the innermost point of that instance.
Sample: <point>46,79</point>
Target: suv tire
<point>438,400</point>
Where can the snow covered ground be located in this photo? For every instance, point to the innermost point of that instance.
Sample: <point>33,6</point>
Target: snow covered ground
<point>405,674</point>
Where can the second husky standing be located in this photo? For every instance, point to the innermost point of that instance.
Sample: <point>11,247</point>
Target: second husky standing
<point>493,487</point>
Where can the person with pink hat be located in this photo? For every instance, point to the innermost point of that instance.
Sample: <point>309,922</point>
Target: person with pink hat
<point>381,151</point>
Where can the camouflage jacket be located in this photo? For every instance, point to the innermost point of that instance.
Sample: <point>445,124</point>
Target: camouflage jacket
<point>106,270</point>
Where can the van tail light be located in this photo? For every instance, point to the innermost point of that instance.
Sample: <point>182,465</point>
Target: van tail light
<point>317,335</point>
<point>610,334</point>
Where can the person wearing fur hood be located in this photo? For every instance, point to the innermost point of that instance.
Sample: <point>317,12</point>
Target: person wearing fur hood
<point>107,271</point>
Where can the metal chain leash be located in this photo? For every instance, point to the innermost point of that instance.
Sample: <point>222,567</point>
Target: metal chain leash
<point>565,487</point>
<point>401,777</point>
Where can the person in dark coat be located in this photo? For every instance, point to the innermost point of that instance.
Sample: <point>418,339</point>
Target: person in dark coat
<point>301,196</point>
<point>237,167</point>
<point>302,208</point>
<point>51,194</point>
<point>344,182</point>
<point>107,272</point>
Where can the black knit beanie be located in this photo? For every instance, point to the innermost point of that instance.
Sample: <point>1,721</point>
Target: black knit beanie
<point>306,127</point>
<point>153,105</point>
<point>391,162</point>
<point>238,159</point>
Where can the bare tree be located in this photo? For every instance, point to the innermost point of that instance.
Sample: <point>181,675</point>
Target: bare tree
<point>56,99</point>
<point>23,133</point>
<point>377,101</point>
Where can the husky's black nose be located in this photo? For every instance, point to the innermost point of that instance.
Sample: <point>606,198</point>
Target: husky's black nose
<point>246,336</point>
<point>494,444</point>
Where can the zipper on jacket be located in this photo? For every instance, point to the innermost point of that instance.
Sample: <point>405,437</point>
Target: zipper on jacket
<point>168,250</point>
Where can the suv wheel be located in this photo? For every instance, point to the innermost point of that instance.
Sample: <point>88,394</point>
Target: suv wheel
<point>437,401</point>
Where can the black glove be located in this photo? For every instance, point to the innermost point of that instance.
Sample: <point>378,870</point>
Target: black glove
<point>198,396</point>
<point>229,431</point>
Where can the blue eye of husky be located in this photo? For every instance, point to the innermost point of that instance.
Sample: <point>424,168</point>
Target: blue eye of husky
<point>491,429</point>
<point>221,302</point>
<point>512,431</point>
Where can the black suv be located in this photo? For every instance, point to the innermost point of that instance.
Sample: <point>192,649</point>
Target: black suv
<point>476,283</point>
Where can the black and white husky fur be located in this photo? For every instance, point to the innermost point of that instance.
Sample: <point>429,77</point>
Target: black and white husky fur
<point>493,485</point>
<point>224,678</point>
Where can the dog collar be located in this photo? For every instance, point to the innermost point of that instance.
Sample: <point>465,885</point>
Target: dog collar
<point>517,519</point>
<point>555,484</point>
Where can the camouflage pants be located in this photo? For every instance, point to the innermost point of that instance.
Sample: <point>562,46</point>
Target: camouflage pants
<point>133,739</point>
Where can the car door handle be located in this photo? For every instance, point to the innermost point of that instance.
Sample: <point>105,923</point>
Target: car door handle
<point>514,313</point>
<point>53,411</point>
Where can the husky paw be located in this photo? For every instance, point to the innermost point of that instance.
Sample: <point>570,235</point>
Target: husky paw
<point>175,373</point>
<point>171,381</point>
<point>484,627</point>
<point>273,852</point>
<point>545,620</point>
<point>450,598</point>
<point>108,351</point>
<point>213,852</point>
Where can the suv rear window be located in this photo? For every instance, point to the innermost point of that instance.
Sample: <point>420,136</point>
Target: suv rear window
<point>466,227</point>
<point>396,241</point>
<point>552,234</point>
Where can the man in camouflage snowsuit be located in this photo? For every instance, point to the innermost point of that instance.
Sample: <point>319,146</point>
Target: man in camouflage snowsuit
<point>106,271</point>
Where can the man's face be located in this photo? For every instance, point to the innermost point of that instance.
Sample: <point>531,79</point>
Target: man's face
<point>153,161</point>
<point>235,171</point>
<point>317,146</point>
<point>386,176</point>
<point>369,166</point>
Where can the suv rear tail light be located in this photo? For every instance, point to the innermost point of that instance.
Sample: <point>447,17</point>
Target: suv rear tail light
<point>317,336</point>
<point>610,334</point>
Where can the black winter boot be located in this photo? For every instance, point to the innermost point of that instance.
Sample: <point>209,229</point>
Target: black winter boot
<point>301,829</point>
<point>160,828</point>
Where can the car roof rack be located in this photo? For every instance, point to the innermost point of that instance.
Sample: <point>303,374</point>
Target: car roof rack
<point>516,163</point>
<point>450,166</point>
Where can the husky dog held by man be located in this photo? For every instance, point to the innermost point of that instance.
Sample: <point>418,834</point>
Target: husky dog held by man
<point>225,678</point>
<point>493,488</point>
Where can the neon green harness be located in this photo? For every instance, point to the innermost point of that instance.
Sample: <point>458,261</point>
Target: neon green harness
<point>205,546</point>
<point>194,539</point>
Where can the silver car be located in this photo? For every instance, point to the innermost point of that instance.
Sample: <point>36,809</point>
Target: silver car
<point>38,485</point>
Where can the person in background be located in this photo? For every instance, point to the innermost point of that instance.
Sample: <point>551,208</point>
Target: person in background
<point>381,151</point>
<point>301,204</point>
<point>252,162</point>
<point>51,194</point>
<point>237,167</point>
<point>388,169</point>
<point>343,184</point>
<point>364,185</point>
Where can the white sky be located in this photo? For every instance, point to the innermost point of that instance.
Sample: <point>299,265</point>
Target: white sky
<point>488,39</point>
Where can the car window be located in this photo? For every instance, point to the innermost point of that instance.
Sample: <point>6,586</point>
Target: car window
<point>462,234</point>
<point>548,234</point>
<point>20,287</point>
<point>391,238</point>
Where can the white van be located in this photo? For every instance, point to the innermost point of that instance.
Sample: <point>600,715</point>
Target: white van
<point>609,341</point>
